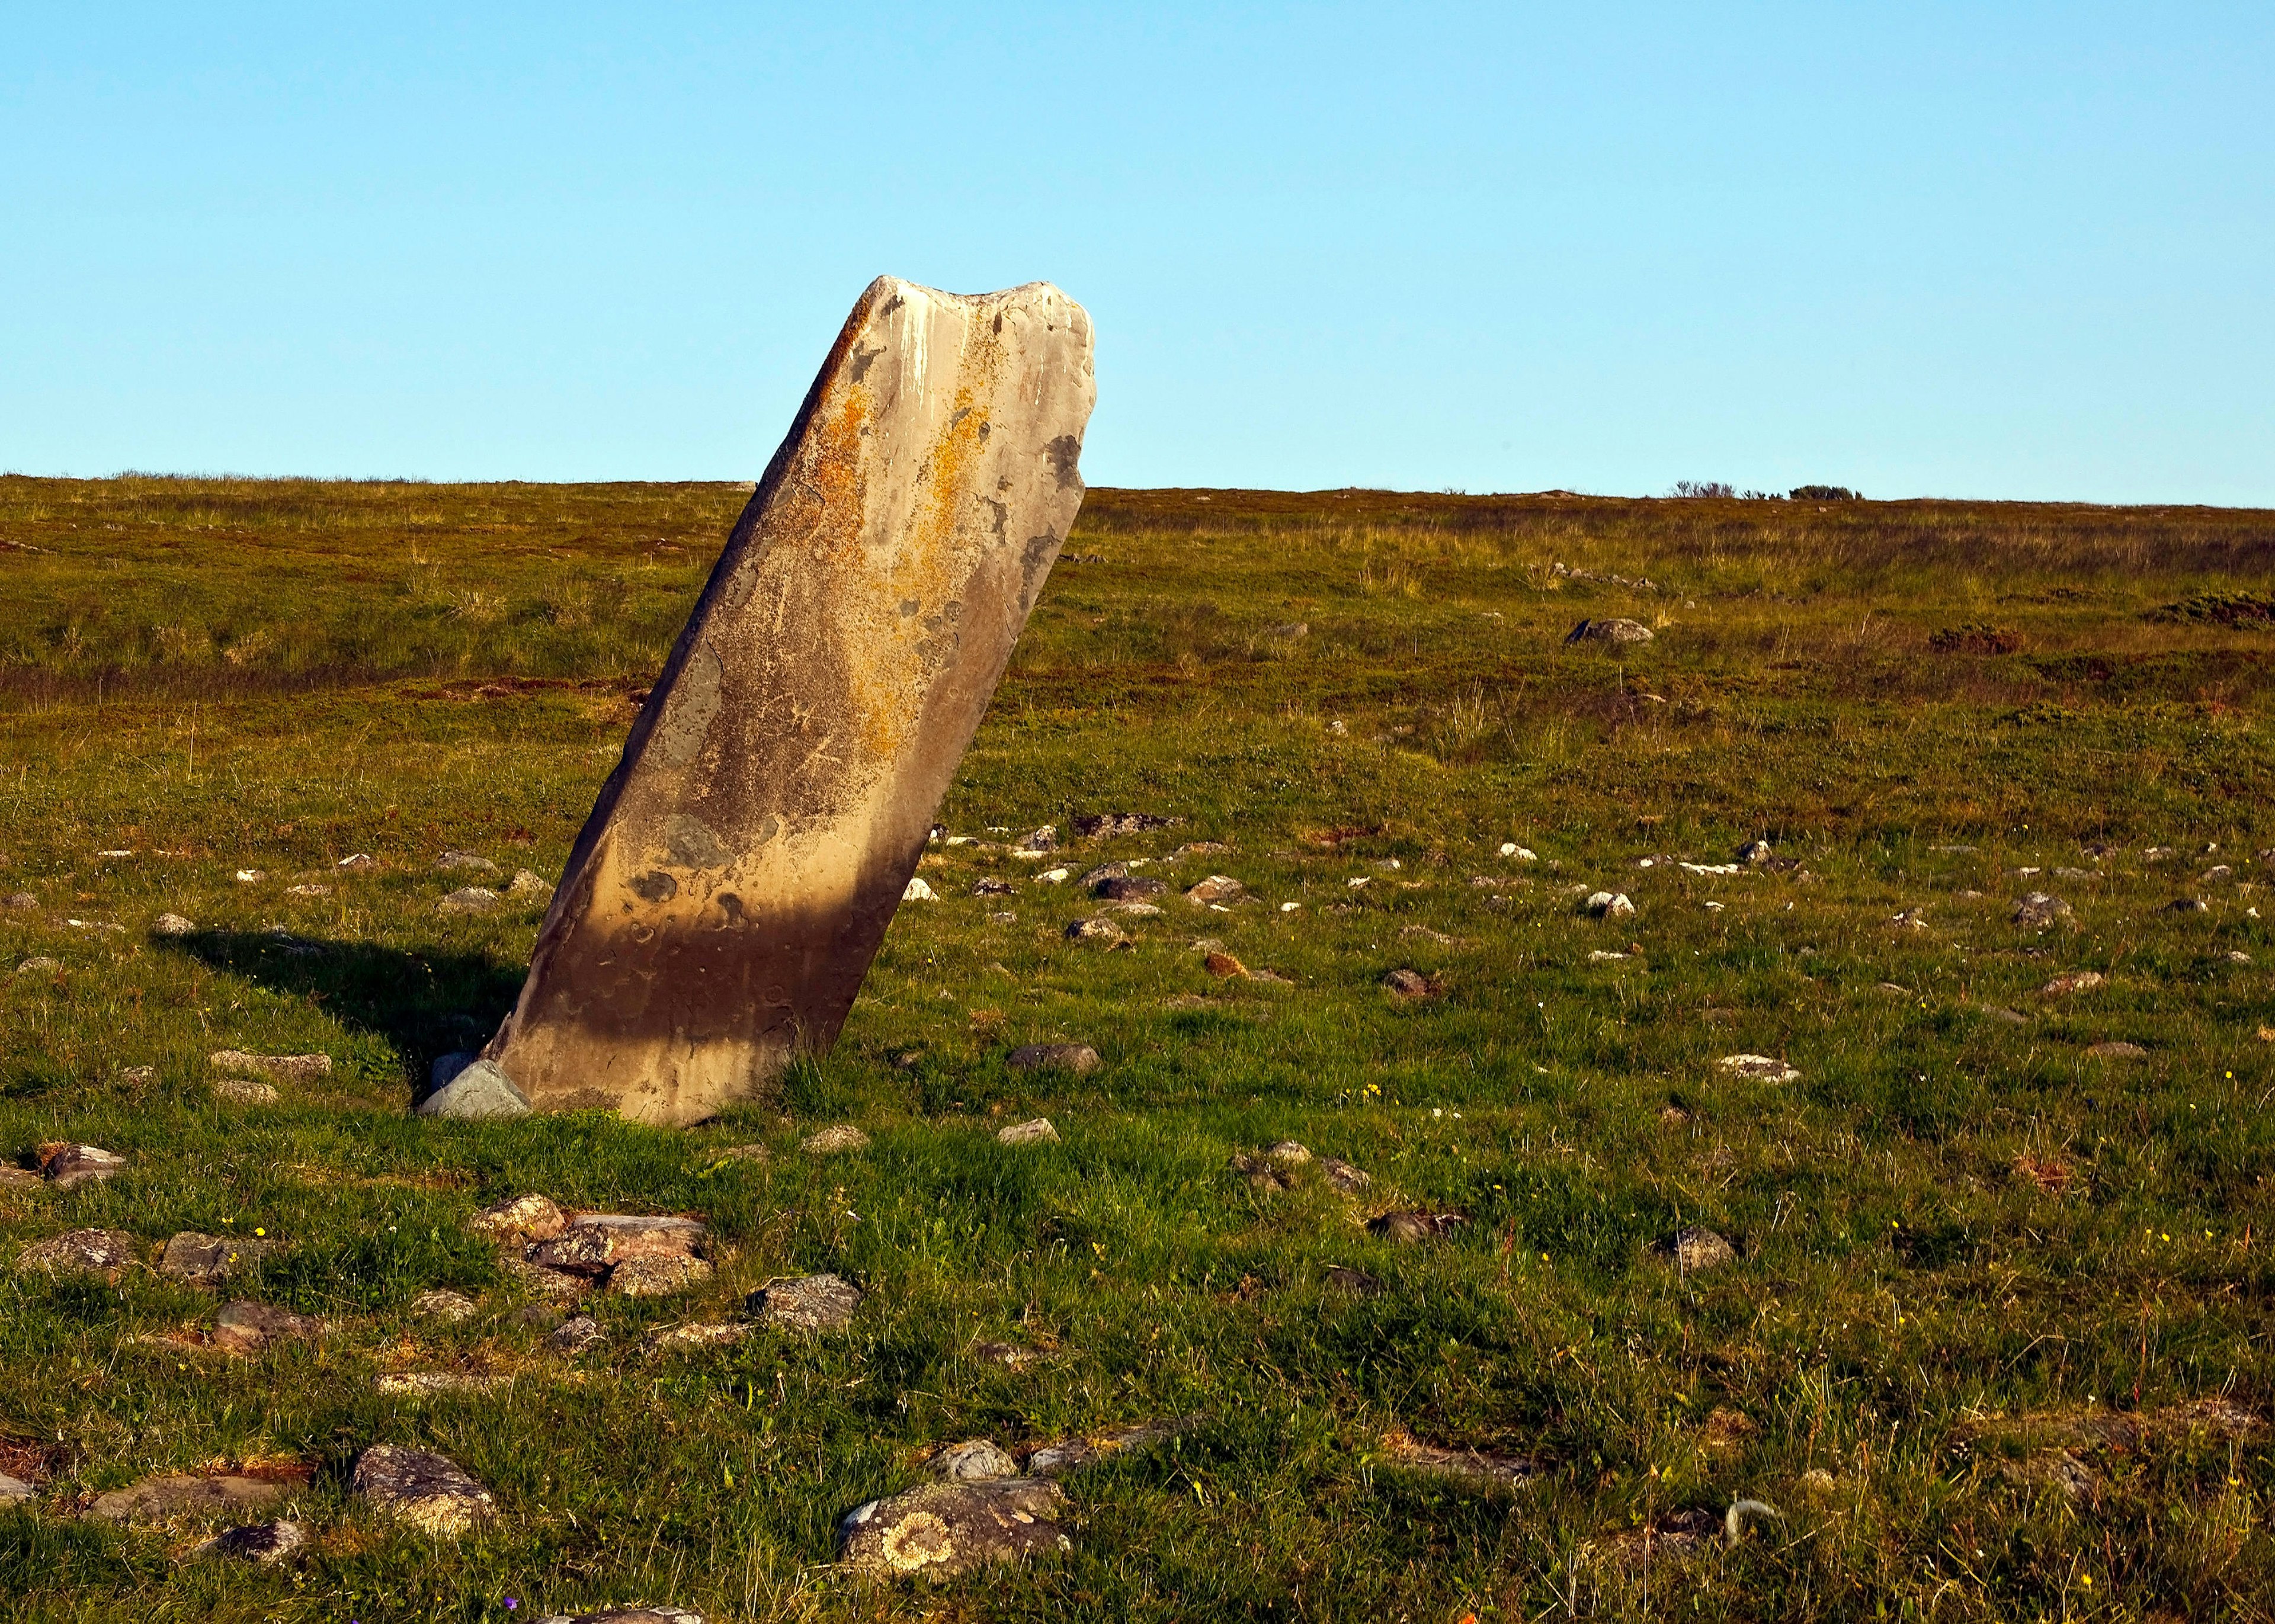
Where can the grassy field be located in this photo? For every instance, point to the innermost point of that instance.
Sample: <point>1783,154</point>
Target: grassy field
<point>1994,1343</point>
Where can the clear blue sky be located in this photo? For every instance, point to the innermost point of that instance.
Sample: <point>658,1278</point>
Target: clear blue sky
<point>1986,249</point>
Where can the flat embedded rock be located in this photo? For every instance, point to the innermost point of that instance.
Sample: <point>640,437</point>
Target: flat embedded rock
<point>1759,1068</point>
<point>89,1251</point>
<point>2038,911</point>
<point>198,1259</point>
<point>67,1165</point>
<point>1129,888</point>
<point>172,925</point>
<point>834,1141</point>
<point>1477,1468</point>
<point>945,1529</point>
<point>15,1490</point>
<point>625,1616</point>
<point>2072,981</point>
<point>1215,888</point>
<point>1036,1132</point>
<point>248,1327</point>
<point>2117,1051</point>
<point>723,903</point>
<point>1409,984</point>
<point>1078,1058</point>
<point>1097,928</point>
<point>1694,1249</point>
<point>471,862</point>
<point>479,1092</point>
<point>244,1091</point>
<point>448,1306</point>
<point>528,883</point>
<point>179,1494</point>
<point>261,1544</point>
<point>1344,1176</point>
<point>810,1303</point>
<point>1070,1455</point>
<point>575,1336</point>
<point>21,1179</point>
<point>1410,1227</point>
<point>1615,630</point>
<point>657,1277</point>
<point>428,1491</point>
<point>271,1068</point>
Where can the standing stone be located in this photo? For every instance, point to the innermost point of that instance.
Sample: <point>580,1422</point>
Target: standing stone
<point>738,873</point>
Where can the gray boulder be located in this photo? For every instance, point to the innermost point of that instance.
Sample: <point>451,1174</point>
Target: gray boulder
<point>945,1529</point>
<point>478,1091</point>
<point>425,1490</point>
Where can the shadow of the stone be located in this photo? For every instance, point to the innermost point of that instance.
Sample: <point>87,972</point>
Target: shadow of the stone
<point>423,1004</point>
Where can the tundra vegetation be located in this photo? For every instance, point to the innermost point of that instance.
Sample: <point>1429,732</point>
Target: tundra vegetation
<point>1817,1055</point>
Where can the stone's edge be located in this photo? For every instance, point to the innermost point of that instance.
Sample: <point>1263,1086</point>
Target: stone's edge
<point>455,1099</point>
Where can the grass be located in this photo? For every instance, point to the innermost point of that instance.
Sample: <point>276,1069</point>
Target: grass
<point>1996,1342</point>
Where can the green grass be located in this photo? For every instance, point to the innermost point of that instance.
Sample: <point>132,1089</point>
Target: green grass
<point>271,675</point>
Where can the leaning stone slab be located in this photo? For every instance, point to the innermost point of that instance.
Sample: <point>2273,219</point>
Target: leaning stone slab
<point>736,875</point>
<point>479,1090</point>
<point>945,1529</point>
<point>418,1486</point>
<point>87,1251</point>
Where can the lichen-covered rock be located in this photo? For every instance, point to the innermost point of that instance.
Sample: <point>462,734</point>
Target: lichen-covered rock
<point>425,1490</point>
<point>810,1303</point>
<point>520,1218</point>
<point>271,1068</point>
<point>575,1336</point>
<point>1694,1249</point>
<point>1215,888</point>
<point>179,1494</point>
<point>198,1259</point>
<point>91,1252</point>
<point>595,1243</point>
<point>976,1460</point>
<point>945,1529</point>
<point>449,1306</point>
<point>1078,1058</point>
<point>735,878</point>
<point>657,1277</point>
<point>1036,1132</point>
<point>1614,630</point>
<point>625,1616</point>
<point>260,1543</point>
<point>831,1141</point>
<point>248,1327</point>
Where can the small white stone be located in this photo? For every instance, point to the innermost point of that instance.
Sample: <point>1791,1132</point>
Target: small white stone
<point>248,876</point>
<point>917,891</point>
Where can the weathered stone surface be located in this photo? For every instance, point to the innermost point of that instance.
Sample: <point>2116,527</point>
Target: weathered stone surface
<point>1344,1176</point>
<point>626,1615</point>
<point>22,1179</point>
<point>573,1337</point>
<point>271,1068</point>
<point>172,925</point>
<point>1416,1226</point>
<point>260,1543</point>
<point>244,1091</point>
<point>736,875</point>
<point>657,1277</point>
<point>1070,1455</point>
<point>14,1491</point>
<point>207,1259</point>
<point>2117,1050</point>
<point>159,1499</point>
<point>1477,1468</point>
<point>976,1460</point>
<point>1694,1249</point>
<point>945,1529</point>
<point>520,1218</point>
<point>1410,985</point>
<point>248,1327</point>
<point>477,1092</point>
<point>1129,888</point>
<point>67,1167</point>
<point>418,1486</point>
<point>91,1252</point>
<point>1097,928</point>
<point>832,1140</point>
<point>2072,981</point>
<point>1215,888</point>
<point>1759,1068</point>
<point>1078,1058</point>
<point>2038,910</point>
<point>1615,630</point>
<point>1028,1133</point>
<point>449,1306</point>
<point>810,1303</point>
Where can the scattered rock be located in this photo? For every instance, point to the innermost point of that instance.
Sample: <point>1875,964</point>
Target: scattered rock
<point>575,1336</point>
<point>1410,985</point>
<point>1129,888</point>
<point>1756,853</point>
<point>422,1488</point>
<point>1358,1282</point>
<point>1910,919</point>
<point>248,1327</point>
<point>918,891</point>
<point>1009,1355</point>
<point>1078,1058</point>
<point>2000,1013</point>
<point>1758,1068</point>
<point>468,899</point>
<point>260,1543</point>
<point>989,885</point>
<point>522,1218</point>
<point>1259,1173</point>
<point>809,1302</point>
<point>449,1306</point>
<point>271,1068</point>
<point>2236,956</point>
<point>21,1179</point>
<point>2038,911</point>
<point>179,1494</point>
<point>243,1091</point>
<point>67,1167</point>
<point>2187,904</point>
<point>1044,839</point>
<point>22,899</point>
<point>1109,825</point>
<point>1287,1153</point>
<point>1070,1455</point>
<point>625,1616</point>
<point>2117,1050</point>
<point>1215,888</point>
<point>357,862</point>
<point>946,1528</point>
<point>15,1490</point>
<point>39,966</point>
<point>831,1141</point>
<point>657,1277</point>
<point>1695,1250</point>
<point>1096,928</point>
<point>89,1251</point>
<point>1483,1468</point>
<point>976,1460</point>
<point>594,1243</point>
<point>308,890</point>
<point>2071,981</point>
<point>479,1092</point>
<point>470,862</point>
<point>198,1259</point>
<point>1198,849</point>
<point>1409,1227</point>
<point>528,883</point>
<point>1615,630</point>
<point>172,925</point>
<point>1224,967</point>
<point>1423,932</point>
<point>1344,1176</point>
<point>718,1335</point>
<point>1028,1133</point>
<point>1609,905</point>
